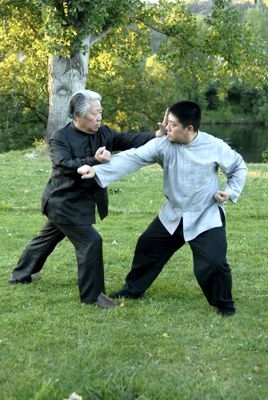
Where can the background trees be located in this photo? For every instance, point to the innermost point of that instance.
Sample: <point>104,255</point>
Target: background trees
<point>198,57</point>
<point>23,76</point>
<point>141,57</point>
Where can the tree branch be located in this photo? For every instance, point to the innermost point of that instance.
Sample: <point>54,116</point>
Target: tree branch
<point>97,38</point>
<point>27,103</point>
<point>164,31</point>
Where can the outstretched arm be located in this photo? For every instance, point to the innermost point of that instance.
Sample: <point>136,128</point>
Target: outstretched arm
<point>122,164</point>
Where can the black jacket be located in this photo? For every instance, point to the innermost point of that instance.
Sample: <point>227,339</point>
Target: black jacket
<point>67,198</point>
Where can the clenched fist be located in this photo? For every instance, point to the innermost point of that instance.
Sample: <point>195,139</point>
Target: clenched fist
<point>86,171</point>
<point>221,196</point>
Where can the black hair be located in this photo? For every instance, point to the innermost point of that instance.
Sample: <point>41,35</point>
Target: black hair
<point>188,113</point>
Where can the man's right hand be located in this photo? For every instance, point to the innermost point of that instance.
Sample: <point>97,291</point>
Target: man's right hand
<point>102,155</point>
<point>162,125</point>
<point>86,171</point>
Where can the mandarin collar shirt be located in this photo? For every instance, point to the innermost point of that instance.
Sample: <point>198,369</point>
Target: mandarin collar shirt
<point>67,198</point>
<point>190,174</point>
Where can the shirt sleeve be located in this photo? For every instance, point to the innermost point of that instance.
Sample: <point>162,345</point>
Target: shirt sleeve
<point>235,169</point>
<point>127,162</point>
<point>124,141</point>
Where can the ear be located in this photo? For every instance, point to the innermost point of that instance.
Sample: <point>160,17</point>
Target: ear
<point>191,129</point>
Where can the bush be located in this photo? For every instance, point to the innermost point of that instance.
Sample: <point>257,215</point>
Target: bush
<point>16,136</point>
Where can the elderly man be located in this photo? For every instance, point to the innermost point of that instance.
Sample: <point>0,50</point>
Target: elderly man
<point>194,206</point>
<point>69,202</point>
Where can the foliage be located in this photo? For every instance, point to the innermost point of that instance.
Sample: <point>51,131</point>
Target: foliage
<point>134,85</point>
<point>188,59</point>
<point>68,23</point>
<point>23,79</point>
<point>169,345</point>
<point>32,31</point>
<point>246,102</point>
<point>40,148</point>
<point>194,57</point>
<point>265,155</point>
<point>65,24</point>
<point>186,63</point>
<point>257,18</point>
<point>218,49</point>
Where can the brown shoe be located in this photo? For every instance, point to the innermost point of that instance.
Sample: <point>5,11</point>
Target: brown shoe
<point>105,302</point>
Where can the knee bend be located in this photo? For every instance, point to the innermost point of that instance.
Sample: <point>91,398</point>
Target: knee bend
<point>93,242</point>
<point>97,241</point>
<point>218,264</point>
<point>143,243</point>
<point>212,263</point>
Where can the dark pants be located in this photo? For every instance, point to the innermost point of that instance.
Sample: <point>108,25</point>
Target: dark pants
<point>155,247</point>
<point>88,248</point>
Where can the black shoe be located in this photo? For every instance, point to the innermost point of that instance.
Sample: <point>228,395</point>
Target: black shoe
<point>226,312</point>
<point>105,302</point>
<point>125,293</point>
<point>13,280</point>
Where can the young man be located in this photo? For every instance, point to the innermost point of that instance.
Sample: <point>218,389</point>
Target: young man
<point>194,206</point>
<point>70,202</point>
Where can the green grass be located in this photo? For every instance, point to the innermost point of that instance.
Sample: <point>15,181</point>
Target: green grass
<point>169,345</point>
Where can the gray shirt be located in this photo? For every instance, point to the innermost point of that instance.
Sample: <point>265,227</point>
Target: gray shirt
<point>190,173</point>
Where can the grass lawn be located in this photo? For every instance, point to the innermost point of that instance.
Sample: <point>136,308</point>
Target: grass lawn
<point>170,344</point>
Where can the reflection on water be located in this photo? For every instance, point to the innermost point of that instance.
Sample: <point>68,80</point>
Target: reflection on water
<point>249,141</point>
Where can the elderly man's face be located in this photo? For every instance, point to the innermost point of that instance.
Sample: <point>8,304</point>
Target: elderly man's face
<point>91,122</point>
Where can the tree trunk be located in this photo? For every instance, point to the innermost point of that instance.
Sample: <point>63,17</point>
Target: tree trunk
<point>66,76</point>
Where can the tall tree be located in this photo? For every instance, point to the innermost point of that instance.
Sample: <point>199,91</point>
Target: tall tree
<point>69,28</point>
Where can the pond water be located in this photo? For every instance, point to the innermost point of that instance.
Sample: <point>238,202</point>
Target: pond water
<point>248,140</point>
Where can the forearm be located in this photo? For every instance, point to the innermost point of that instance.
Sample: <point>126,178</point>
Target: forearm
<point>236,181</point>
<point>125,141</point>
<point>235,170</point>
<point>121,165</point>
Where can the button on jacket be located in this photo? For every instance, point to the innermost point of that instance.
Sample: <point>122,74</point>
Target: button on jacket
<point>67,198</point>
<point>190,178</point>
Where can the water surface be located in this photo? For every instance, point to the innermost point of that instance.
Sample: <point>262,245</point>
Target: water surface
<point>249,141</point>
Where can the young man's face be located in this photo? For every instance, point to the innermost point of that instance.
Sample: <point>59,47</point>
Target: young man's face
<point>91,122</point>
<point>177,133</point>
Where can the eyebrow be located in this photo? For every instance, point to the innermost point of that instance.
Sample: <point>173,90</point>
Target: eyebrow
<point>96,110</point>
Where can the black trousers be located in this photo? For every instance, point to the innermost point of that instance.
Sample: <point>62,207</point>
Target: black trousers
<point>155,247</point>
<point>88,248</point>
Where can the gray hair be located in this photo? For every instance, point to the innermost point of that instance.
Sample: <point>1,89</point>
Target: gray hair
<point>79,102</point>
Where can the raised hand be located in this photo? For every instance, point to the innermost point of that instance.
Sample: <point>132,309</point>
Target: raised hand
<point>162,126</point>
<point>102,155</point>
